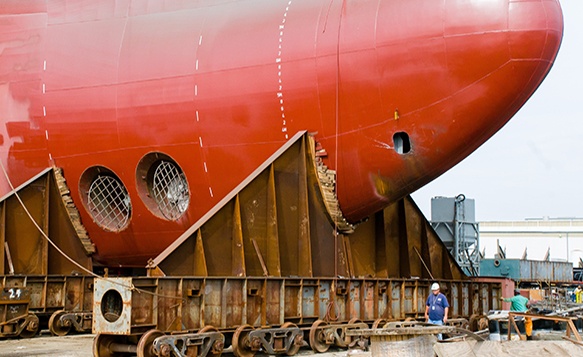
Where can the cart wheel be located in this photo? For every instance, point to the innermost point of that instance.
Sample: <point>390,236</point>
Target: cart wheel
<point>101,345</point>
<point>208,328</point>
<point>478,322</point>
<point>56,326</point>
<point>293,348</point>
<point>317,339</point>
<point>482,323</point>
<point>379,323</point>
<point>219,345</point>
<point>146,343</point>
<point>31,328</point>
<point>241,343</point>
<point>346,340</point>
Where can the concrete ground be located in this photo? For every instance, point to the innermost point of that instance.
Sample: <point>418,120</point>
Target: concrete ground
<point>81,346</point>
<point>47,345</point>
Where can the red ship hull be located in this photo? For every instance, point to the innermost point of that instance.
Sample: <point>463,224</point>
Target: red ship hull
<point>397,92</point>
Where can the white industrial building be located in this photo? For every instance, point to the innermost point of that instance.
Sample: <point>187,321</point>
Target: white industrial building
<point>561,238</point>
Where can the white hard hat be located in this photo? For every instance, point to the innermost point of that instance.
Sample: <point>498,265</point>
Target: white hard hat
<point>434,286</point>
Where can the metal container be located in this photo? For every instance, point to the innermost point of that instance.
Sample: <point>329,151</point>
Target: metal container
<point>528,270</point>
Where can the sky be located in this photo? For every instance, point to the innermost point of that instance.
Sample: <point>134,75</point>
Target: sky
<point>533,167</point>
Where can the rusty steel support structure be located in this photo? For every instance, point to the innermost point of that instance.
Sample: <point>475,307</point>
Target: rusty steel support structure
<point>191,303</point>
<point>38,284</point>
<point>276,255</point>
<point>278,223</point>
<point>127,308</point>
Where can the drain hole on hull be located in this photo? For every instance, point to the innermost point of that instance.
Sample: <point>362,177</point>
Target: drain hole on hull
<point>402,143</point>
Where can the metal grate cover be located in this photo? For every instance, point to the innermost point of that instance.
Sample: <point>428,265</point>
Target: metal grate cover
<point>109,203</point>
<point>170,190</point>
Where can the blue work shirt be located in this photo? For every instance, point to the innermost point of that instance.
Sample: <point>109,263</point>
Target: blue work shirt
<point>437,304</point>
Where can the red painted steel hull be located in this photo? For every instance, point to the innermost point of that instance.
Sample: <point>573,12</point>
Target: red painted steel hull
<point>220,85</point>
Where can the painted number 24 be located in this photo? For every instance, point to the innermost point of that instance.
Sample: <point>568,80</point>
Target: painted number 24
<point>14,293</point>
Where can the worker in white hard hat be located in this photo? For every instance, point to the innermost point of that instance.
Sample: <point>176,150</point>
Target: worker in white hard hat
<point>436,307</point>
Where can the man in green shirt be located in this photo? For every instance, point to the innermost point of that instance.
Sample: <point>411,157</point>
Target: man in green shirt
<point>518,302</point>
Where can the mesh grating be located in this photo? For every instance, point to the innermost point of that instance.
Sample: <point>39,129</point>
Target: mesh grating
<point>109,203</point>
<point>170,190</point>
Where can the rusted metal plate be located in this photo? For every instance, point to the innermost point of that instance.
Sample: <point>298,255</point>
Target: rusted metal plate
<point>113,305</point>
<point>274,294</point>
<point>31,213</point>
<point>56,293</point>
<point>13,303</point>
<point>189,303</point>
<point>528,270</point>
<point>45,295</point>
